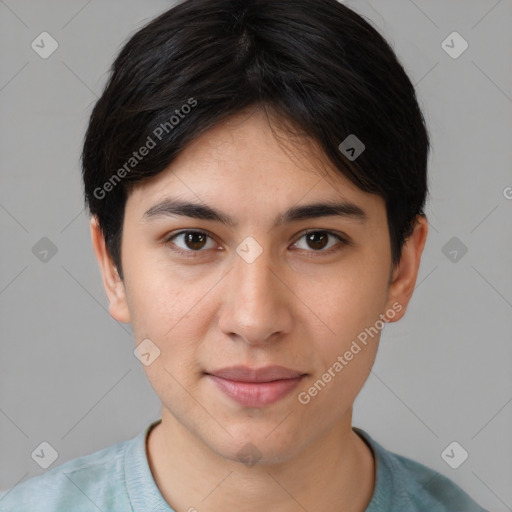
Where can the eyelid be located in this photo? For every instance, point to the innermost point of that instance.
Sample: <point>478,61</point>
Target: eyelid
<point>336,234</point>
<point>168,240</point>
<point>343,240</point>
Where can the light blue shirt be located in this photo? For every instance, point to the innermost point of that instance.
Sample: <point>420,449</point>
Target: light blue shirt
<point>119,479</point>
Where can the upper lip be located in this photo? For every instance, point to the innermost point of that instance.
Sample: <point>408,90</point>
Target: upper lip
<point>246,374</point>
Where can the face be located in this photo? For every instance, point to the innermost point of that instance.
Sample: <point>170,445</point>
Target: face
<point>302,293</point>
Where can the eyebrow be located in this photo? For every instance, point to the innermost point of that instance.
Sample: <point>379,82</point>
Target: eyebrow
<point>170,207</point>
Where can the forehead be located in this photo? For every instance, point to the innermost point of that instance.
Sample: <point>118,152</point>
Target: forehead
<point>249,162</point>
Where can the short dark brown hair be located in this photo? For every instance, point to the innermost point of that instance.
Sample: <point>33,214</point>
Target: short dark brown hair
<point>316,64</point>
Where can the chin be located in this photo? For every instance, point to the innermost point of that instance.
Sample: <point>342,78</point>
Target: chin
<point>253,444</point>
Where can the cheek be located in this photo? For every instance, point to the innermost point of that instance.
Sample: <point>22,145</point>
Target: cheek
<point>166,308</point>
<point>346,303</point>
<point>345,352</point>
<point>350,309</point>
<point>163,312</point>
<point>158,297</point>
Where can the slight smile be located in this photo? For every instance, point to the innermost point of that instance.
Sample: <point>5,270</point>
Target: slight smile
<point>253,387</point>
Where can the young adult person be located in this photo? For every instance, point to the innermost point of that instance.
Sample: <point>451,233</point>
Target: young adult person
<point>256,172</point>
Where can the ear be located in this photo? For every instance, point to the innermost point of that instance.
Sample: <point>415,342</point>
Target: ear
<point>405,273</point>
<point>113,284</point>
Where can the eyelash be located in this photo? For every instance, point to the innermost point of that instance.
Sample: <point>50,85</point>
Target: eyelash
<point>194,254</point>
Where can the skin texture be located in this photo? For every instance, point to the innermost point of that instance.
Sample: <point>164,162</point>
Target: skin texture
<point>216,310</point>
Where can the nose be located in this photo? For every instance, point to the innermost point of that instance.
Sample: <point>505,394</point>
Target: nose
<point>256,304</point>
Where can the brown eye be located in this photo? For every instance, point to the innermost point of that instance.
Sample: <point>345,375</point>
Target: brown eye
<point>318,241</point>
<point>194,240</point>
<point>191,241</point>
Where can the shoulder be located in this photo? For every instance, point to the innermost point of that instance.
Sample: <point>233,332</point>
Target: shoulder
<point>427,489</point>
<point>405,484</point>
<point>80,484</point>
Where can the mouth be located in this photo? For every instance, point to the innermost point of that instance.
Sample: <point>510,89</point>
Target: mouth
<point>256,387</point>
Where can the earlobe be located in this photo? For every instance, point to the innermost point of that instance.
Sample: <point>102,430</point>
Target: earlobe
<point>113,284</point>
<point>406,272</point>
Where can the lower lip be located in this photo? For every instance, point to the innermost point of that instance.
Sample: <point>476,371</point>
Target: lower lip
<point>255,394</point>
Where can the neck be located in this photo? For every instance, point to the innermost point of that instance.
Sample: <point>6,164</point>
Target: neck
<point>336,472</point>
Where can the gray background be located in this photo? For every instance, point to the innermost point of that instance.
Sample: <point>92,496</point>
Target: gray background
<point>68,375</point>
